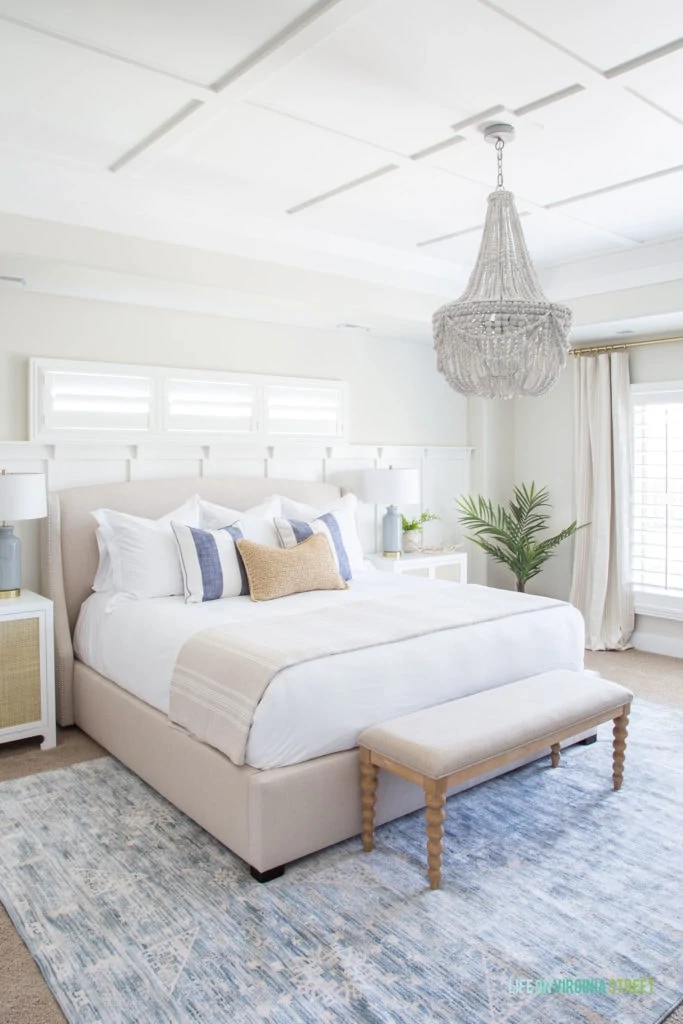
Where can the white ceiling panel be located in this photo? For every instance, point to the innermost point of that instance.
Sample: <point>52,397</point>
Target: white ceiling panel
<point>660,82</point>
<point>400,73</point>
<point>650,211</point>
<point>362,108</point>
<point>370,85</point>
<point>289,161</point>
<point>551,239</point>
<point>200,41</point>
<point>604,33</point>
<point>575,146</point>
<point>401,208</point>
<point>73,104</point>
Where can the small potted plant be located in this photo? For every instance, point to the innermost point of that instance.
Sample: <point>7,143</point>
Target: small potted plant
<point>412,530</point>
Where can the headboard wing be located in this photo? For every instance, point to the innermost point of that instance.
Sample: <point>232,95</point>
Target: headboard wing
<point>69,549</point>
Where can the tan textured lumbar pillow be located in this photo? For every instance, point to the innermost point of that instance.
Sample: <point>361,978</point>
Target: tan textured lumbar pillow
<point>278,572</point>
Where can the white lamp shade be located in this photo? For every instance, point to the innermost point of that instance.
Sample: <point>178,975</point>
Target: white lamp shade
<point>22,496</point>
<point>391,486</point>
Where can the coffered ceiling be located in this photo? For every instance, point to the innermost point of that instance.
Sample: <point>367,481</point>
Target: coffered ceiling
<point>343,138</point>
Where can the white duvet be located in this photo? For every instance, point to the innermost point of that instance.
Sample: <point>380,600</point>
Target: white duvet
<point>322,706</point>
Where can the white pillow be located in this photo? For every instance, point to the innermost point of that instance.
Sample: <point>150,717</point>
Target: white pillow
<point>143,555</point>
<point>256,523</point>
<point>211,565</point>
<point>344,511</point>
<point>104,577</point>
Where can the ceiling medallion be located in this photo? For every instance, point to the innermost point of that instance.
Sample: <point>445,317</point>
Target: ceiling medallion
<point>502,338</point>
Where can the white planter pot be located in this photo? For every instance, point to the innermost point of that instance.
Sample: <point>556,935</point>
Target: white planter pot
<point>412,541</point>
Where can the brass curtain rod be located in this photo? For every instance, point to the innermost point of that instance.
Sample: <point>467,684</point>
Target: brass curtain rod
<point>596,350</point>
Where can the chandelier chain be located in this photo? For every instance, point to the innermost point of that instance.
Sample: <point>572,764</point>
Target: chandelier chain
<point>500,145</point>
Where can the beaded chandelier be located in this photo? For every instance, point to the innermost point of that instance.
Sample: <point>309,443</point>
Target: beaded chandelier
<point>502,338</point>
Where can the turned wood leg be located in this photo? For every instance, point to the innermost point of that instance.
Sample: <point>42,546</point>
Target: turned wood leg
<point>435,794</point>
<point>620,732</point>
<point>555,755</point>
<point>368,785</point>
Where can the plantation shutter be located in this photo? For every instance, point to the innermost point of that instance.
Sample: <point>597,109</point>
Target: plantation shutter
<point>657,545</point>
<point>213,407</point>
<point>74,401</point>
<point>297,411</point>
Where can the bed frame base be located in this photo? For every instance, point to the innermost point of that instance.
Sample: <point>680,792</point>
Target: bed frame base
<point>268,818</point>
<point>267,876</point>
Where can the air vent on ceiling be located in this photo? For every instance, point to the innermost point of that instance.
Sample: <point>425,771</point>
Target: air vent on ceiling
<point>356,328</point>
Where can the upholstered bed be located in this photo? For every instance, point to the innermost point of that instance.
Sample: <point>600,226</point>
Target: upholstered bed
<point>268,816</point>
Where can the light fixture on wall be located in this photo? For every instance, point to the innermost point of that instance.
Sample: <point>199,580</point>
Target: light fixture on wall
<point>502,338</point>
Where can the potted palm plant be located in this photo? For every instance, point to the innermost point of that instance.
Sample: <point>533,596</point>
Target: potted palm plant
<point>511,533</point>
<point>412,530</point>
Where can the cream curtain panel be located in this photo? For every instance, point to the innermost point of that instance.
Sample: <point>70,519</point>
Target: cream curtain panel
<point>601,585</point>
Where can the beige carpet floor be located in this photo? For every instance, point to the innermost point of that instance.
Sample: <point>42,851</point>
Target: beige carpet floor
<point>24,996</point>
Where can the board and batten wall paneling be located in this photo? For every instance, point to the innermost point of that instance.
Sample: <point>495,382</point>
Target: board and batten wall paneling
<point>396,395</point>
<point>444,474</point>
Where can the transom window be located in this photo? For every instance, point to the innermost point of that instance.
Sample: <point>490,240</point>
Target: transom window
<point>73,401</point>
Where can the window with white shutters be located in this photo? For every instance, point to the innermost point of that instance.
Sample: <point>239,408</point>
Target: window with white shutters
<point>73,401</point>
<point>304,409</point>
<point>657,530</point>
<point>210,406</point>
<point>78,401</point>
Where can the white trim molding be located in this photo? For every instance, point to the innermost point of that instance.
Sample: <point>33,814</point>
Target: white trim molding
<point>658,643</point>
<point>659,606</point>
<point>444,473</point>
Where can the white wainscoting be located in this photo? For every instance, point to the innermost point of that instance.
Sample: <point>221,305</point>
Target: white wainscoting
<point>444,474</point>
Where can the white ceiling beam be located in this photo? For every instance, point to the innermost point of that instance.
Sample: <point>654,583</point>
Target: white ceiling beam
<point>379,173</point>
<point>314,25</point>
<point>644,58</point>
<point>195,89</point>
<point>665,172</point>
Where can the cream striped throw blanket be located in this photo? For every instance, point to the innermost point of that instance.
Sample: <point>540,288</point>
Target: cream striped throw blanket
<point>222,673</point>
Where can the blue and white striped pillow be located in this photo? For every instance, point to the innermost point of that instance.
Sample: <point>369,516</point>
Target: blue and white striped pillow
<point>212,566</point>
<point>292,531</point>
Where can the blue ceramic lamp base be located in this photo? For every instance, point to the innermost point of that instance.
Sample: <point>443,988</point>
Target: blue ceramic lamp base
<point>392,533</point>
<point>10,562</point>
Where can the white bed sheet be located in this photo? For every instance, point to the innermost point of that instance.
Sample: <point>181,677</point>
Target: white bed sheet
<point>322,706</point>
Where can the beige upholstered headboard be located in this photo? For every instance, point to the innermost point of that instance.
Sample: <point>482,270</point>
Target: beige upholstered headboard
<point>69,548</point>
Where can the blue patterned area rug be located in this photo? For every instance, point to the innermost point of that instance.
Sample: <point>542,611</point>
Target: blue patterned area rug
<point>555,888</point>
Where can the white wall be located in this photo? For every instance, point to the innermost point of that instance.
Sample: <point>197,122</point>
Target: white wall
<point>544,452</point>
<point>395,393</point>
<point>491,434</point>
<point>396,396</point>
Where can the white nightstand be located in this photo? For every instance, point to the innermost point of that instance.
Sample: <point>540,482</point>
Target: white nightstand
<point>27,671</point>
<point>435,565</point>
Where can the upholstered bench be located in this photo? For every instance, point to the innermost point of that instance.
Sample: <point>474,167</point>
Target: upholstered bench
<point>451,743</point>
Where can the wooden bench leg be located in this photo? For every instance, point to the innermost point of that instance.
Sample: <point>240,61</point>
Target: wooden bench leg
<point>555,755</point>
<point>368,785</point>
<point>435,794</point>
<point>620,732</point>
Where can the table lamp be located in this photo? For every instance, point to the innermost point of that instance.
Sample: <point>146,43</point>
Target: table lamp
<point>22,496</point>
<point>389,487</point>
